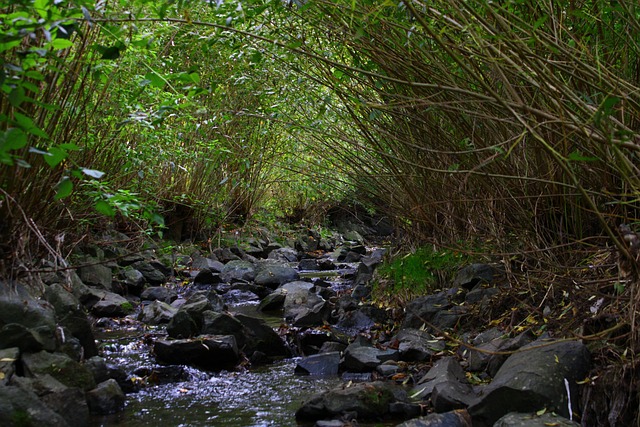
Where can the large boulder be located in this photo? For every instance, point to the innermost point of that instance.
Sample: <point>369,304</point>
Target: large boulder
<point>260,337</point>
<point>157,312</point>
<point>323,364</point>
<point>284,255</point>
<point>445,370</point>
<point>473,275</point>
<point>106,398</point>
<point>541,375</point>
<point>96,275</point>
<point>415,345</point>
<point>159,293</point>
<point>433,310</point>
<point>27,323</point>
<point>206,351</point>
<point>111,305</point>
<point>366,401</point>
<point>152,272</point>
<point>361,356</point>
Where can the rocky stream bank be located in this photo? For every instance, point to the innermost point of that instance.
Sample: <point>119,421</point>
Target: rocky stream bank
<point>287,333</point>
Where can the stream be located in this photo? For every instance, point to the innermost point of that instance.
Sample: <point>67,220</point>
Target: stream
<point>185,396</point>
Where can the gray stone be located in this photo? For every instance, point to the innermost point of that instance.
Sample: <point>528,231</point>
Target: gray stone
<point>535,377</point>
<point>59,366</point>
<point>474,274</point>
<point>182,325</point>
<point>206,278</point>
<point>134,280</point>
<point>444,370</point>
<point>27,323</point>
<point>260,337</point>
<point>272,275</point>
<point>106,398</point>
<point>515,419</point>
<point>303,307</point>
<point>367,401</point>
<point>284,255</point>
<point>486,359</point>
<point>272,302</point>
<point>323,364</point>
<point>457,418</point>
<point>417,346</point>
<point>159,293</point>
<point>238,270</point>
<point>425,309</point>
<point>19,407</point>
<point>97,275</point>
<point>479,294</point>
<point>362,357</point>
<point>206,351</point>
<point>157,312</point>
<point>151,273</point>
<point>111,305</point>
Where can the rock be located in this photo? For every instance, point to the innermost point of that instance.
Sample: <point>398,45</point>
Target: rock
<point>361,291</point>
<point>96,275</point>
<point>450,395</point>
<point>443,371</point>
<point>8,358</point>
<point>20,408</point>
<point>206,278</point>
<point>260,337</point>
<point>182,325</point>
<point>352,256</point>
<point>71,315</point>
<point>151,273</point>
<point>324,364</point>
<point>225,255</point>
<point>535,377</point>
<point>238,270</point>
<point>303,307</point>
<point>480,294</point>
<point>424,309</point>
<point>98,367</point>
<point>106,398</point>
<point>201,263</point>
<point>514,419</point>
<point>284,255</point>
<point>272,302</point>
<point>222,324</point>
<point>272,275</point>
<point>111,305</point>
<point>27,323</point>
<point>206,351</point>
<point>457,418</point>
<point>486,359</point>
<point>157,312</point>
<point>159,293</point>
<point>59,366</point>
<point>360,356</point>
<point>366,401</point>
<point>354,322</point>
<point>474,274</point>
<point>134,281</point>
<point>417,346</point>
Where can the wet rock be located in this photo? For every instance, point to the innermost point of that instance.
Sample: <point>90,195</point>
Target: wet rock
<point>360,356</point>
<point>361,292</point>
<point>96,275</point>
<point>98,367</point>
<point>8,358</point>
<point>159,293</point>
<point>222,324</point>
<point>309,264</point>
<point>151,273</point>
<point>272,302</point>
<point>388,369</point>
<point>133,280</point>
<point>106,398</point>
<point>27,323</point>
<point>238,270</point>
<point>59,366</point>
<point>352,256</point>
<point>353,322</point>
<point>273,275</point>
<point>330,346</point>
<point>302,306</point>
<point>457,418</point>
<point>417,346</point>
<point>19,407</point>
<point>260,291</point>
<point>534,378</point>
<point>162,374</point>
<point>225,255</point>
<point>206,351</point>
<point>365,401</point>
<point>443,371</point>
<point>474,274</point>
<point>514,419</point>
<point>260,337</point>
<point>182,325</point>
<point>206,278</point>
<point>157,312</point>
<point>72,316</point>
<point>201,263</point>
<point>450,395</point>
<point>111,305</point>
<point>284,255</point>
<point>324,364</point>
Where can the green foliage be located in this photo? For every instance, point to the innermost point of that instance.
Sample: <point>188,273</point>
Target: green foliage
<point>419,272</point>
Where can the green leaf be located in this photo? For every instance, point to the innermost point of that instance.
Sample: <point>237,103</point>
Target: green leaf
<point>155,79</point>
<point>577,156</point>
<point>27,124</point>
<point>13,139</point>
<point>64,188</point>
<point>55,156</point>
<point>93,173</point>
<point>60,44</point>
<point>42,7</point>
<point>104,208</point>
<point>17,96</point>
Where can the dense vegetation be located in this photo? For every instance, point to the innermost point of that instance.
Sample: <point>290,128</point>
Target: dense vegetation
<point>509,129</point>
